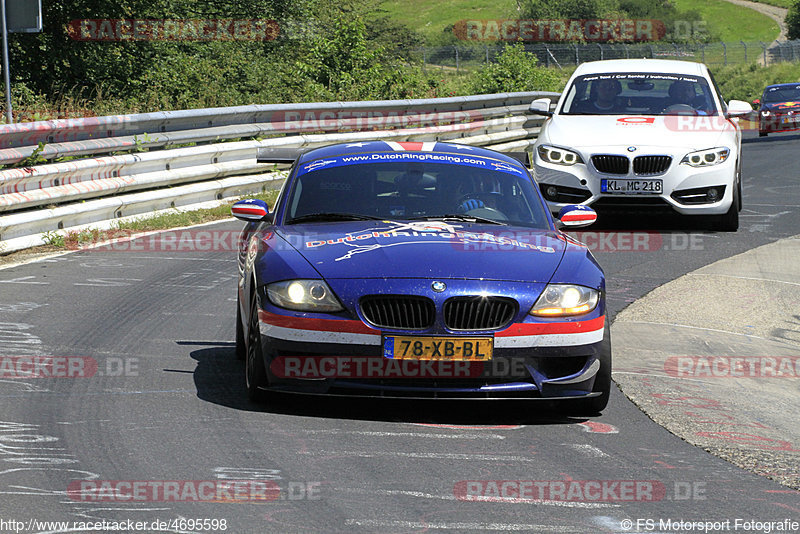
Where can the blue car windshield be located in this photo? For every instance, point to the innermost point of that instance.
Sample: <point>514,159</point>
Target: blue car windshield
<point>640,93</point>
<point>782,94</point>
<point>482,188</point>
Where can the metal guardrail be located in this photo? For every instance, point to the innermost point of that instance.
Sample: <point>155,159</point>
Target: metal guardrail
<point>99,191</point>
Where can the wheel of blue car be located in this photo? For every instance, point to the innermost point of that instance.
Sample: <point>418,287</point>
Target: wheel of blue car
<point>602,382</point>
<point>241,346</point>
<point>255,372</point>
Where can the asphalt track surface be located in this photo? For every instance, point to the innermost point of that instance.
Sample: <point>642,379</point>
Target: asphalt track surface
<point>178,411</point>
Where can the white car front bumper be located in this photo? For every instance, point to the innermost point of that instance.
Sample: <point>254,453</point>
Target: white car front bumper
<point>581,183</point>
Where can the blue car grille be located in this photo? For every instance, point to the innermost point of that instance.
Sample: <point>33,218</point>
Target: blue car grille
<point>402,312</point>
<point>478,313</point>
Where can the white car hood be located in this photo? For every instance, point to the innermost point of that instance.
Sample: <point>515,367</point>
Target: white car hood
<point>675,131</point>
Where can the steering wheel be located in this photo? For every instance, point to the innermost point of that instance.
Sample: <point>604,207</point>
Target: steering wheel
<point>680,109</point>
<point>480,208</point>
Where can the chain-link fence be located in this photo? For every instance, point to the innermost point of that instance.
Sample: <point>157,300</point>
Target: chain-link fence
<point>466,57</point>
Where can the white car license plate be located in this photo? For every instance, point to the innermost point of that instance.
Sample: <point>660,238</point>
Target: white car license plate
<point>631,187</point>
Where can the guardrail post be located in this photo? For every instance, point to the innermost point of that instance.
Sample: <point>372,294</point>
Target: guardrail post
<point>702,53</point>
<point>601,50</point>
<point>457,62</point>
<point>486,47</point>
<point>627,51</point>
<point>547,56</point>
<point>744,45</point>
<point>577,60</point>
<point>764,48</point>
<point>725,53</point>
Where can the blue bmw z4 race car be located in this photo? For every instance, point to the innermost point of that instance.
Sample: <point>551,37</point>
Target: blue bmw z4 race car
<point>418,270</point>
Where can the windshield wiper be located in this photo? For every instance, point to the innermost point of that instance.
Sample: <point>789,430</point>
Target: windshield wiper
<point>333,217</point>
<point>457,217</point>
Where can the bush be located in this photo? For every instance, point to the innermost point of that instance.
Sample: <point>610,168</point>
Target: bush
<point>515,70</point>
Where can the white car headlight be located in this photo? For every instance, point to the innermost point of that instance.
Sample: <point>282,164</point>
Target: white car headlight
<point>559,156</point>
<point>706,158</point>
<point>561,300</point>
<point>303,295</point>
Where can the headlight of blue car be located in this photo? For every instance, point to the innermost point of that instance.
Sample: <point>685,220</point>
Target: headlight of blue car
<point>303,295</point>
<point>563,300</point>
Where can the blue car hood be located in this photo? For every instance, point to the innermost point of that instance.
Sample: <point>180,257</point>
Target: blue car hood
<point>781,106</point>
<point>430,249</point>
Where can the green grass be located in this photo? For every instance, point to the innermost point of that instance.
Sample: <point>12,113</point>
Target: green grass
<point>431,17</point>
<point>747,82</point>
<point>731,23</point>
<point>727,21</point>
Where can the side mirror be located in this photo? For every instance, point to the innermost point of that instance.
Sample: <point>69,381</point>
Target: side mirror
<point>251,209</point>
<point>738,108</point>
<point>541,106</point>
<point>576,216</point>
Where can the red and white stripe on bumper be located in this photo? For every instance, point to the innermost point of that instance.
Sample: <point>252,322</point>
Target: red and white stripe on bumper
<point>318,330</point>
<point>518,335</point>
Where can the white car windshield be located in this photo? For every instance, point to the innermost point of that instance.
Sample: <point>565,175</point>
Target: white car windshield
<point>639,93</point>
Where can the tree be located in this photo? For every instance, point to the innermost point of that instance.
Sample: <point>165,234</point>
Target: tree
<point>793,20</point>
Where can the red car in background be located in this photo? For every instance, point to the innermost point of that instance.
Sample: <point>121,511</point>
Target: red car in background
<point>779,108</point>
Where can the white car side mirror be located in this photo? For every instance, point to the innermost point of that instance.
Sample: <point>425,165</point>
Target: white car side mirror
<point>541,106</point>
<point>738,108</point>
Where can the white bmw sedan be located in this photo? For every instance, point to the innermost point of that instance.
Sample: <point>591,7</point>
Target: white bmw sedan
<point>642,133</point>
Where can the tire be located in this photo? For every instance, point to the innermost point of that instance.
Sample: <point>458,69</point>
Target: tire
<point>730,221</point>
<point>602,382</point>
<point>241,346</point>
<point>739,189</point>
<point>255,372</point>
